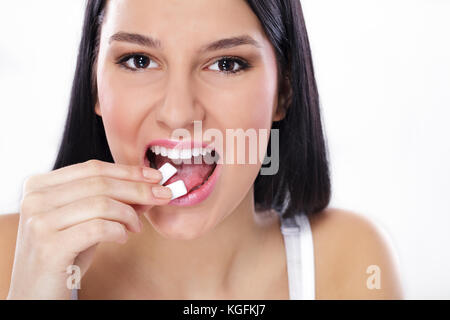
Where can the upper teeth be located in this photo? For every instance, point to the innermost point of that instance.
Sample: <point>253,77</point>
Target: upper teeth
<point>180,153</point>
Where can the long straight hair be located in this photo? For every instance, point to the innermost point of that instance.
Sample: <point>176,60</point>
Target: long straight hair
<point>302,183</point>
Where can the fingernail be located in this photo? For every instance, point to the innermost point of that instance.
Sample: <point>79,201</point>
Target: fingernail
<point>151,174</point>
<point>162,192</point>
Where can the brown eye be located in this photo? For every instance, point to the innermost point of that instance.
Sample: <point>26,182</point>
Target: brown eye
<point>136,62</point>
<point>229,65</point>
<point>141,62</point>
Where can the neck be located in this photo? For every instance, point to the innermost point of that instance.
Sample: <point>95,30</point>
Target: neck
<point>212,265</point>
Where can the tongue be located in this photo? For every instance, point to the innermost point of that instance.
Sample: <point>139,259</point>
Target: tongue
<point>192,174</point>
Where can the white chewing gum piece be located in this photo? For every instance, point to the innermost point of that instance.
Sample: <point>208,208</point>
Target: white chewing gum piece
<point>167,170</point>
<point>178,189</point>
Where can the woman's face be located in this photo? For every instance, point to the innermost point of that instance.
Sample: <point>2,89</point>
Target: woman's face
<point>177,78</point>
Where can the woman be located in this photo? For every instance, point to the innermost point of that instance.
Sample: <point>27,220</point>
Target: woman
<point>145,69</point>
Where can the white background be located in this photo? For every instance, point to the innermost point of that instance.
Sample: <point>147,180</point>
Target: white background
<point>383,70</point>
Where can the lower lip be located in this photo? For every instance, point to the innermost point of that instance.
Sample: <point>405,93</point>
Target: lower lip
<point>200,194</point>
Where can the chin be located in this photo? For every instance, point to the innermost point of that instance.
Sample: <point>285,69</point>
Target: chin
<point>179,226</point>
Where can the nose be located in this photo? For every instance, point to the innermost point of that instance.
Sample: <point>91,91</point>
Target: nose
<point>178,108</point>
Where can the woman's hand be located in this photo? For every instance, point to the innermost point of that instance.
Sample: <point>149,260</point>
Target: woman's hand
<point>64,214</point>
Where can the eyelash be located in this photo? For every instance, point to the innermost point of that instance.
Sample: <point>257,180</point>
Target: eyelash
<point>244,65</point>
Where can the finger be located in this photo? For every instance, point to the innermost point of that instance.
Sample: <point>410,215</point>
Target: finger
<point>96,207</point>
<point>82,236</point>
<point>89,169</point>
<point>130,192</point>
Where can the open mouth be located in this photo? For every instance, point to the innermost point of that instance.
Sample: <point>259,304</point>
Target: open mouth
<point>194,166</point>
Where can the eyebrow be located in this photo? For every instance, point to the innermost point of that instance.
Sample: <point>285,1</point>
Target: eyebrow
<point>230,43</point>
<point>150,42</point>
<point>136,39</point>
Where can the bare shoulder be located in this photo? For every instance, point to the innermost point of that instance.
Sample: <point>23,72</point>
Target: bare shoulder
<point>354,258</point>
<point>8,234</point>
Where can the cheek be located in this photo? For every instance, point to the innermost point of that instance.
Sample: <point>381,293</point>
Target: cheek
<point>246,107</point>
<point>121,109</point>
<point>260,101</point>
<point>249,105</point>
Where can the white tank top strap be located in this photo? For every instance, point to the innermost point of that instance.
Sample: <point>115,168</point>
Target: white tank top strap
<point>299,248</point>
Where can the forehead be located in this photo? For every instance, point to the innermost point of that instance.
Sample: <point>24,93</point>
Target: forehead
<point>180,21</point>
